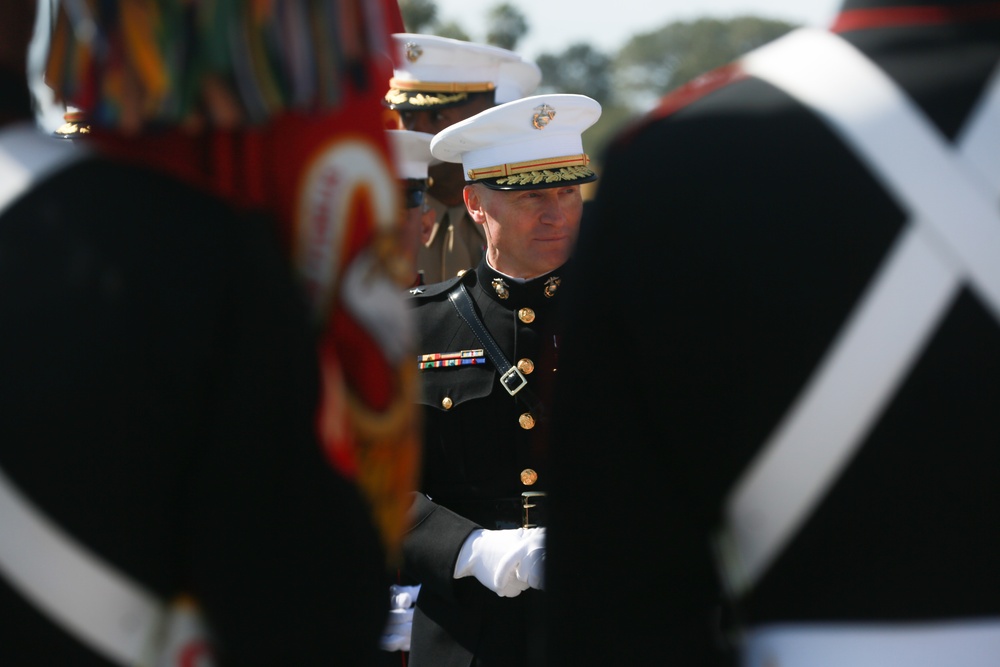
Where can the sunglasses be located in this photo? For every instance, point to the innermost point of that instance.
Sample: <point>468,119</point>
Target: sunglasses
<point>414,194</point>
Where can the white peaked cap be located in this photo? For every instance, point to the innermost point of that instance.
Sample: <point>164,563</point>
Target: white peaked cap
<point>445,70</point>
<point>517,80</point>
<point>411,152</point>
<point>531,142</point>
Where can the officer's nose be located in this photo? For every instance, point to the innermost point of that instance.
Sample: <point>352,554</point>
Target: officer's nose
<point>554,211</point>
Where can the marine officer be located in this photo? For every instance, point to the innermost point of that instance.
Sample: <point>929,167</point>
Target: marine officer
<point>436,82</point>
<point>488,343</point>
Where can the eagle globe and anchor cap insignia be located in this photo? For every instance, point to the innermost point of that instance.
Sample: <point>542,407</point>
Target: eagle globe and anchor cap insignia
<point>543,116</point>
<point>413,52</point>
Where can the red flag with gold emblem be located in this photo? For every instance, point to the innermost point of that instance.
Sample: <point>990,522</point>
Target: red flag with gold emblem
<point>276,106</point>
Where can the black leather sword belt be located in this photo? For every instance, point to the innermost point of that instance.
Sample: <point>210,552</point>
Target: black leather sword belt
<point>511,378</point>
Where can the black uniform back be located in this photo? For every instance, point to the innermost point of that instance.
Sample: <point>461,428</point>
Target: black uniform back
<point>760,229</point>
<point>159,386</point>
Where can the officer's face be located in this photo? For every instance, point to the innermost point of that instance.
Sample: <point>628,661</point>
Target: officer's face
<point>448,177</point>
<point>528,232</point>
<point>411,233</point>
<point>433,121</point>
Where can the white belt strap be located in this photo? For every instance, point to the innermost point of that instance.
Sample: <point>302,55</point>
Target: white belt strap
<point>953,238</point>
<point>957,644</point>
<point>100,606</point>
<point>74,587</point>
<point>27,157</point>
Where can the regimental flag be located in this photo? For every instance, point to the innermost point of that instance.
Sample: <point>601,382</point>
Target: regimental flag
<point>276,106</point>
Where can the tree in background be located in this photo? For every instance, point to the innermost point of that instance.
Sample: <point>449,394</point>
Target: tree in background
<point>626,83</point>
<point>579,69</point>
<point>507,26</point>
<point>453,30</point>
<point>418,15</point>
<point>654,63</point>
<point>649,65</point>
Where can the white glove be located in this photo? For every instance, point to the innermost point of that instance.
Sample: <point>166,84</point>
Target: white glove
<point>399,626</point>
<point>532,569</point>
<point>507,562</point>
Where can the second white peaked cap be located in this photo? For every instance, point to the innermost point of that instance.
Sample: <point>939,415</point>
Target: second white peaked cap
<point>517,80</point>
<point>533,142</point>
<point>411,152</point>
<point>431,72</point>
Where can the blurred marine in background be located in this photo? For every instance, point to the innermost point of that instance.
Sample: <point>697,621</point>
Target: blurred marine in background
<point>779,410</point>
<point>203,375</point>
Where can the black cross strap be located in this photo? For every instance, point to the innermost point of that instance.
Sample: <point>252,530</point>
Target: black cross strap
<point>511,377</point>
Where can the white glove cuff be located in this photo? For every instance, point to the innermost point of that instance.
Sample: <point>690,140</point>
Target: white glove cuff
<point>494,558</point>
<point>463,566</point>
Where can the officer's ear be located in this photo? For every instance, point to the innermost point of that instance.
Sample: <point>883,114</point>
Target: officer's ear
<point>474,196</point>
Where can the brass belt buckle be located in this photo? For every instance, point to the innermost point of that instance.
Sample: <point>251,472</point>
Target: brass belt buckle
<point>528,502</point>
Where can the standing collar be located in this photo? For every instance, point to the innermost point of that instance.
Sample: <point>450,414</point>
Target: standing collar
<point>506,290</point>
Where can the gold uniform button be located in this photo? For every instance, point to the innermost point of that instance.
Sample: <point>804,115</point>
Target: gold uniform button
<point>446,403</point>
<point>526,315</point>
<point>526,366</point>
<point>526,421</point>
<point>528,477</point>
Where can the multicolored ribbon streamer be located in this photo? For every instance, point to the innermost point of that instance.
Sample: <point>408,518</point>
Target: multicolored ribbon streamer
<point>275,105</point>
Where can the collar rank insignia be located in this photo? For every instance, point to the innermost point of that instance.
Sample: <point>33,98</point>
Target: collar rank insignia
<point>543,116</point>
<point>413,52</point>
<point>501,288</point>
<point>551,285</point>
<point>416,290</point>
<point>449,359</point>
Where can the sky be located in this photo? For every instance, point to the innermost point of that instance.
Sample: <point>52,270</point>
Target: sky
<point>608,24</point>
